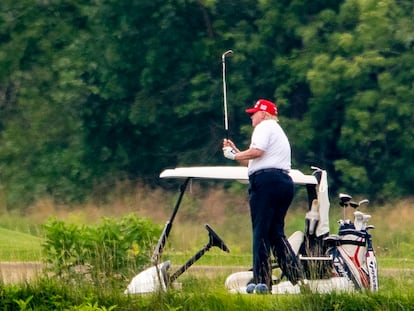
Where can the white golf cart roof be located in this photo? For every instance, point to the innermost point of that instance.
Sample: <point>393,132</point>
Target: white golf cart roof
<point>228,172</point>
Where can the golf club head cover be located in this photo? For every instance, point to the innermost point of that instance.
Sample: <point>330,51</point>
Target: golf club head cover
<point>229,153</point>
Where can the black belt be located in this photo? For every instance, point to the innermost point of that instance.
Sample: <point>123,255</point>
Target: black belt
<point>269,170</point>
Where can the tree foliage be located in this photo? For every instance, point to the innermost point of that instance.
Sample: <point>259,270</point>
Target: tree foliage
<point>96,91</point>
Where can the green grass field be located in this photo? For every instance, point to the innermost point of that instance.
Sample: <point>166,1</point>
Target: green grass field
<point>18,246</point>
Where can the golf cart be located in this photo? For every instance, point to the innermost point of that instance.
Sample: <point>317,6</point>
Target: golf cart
<point>328,261</point>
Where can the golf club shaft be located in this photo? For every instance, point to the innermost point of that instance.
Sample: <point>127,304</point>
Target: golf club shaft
<point>226,120</point>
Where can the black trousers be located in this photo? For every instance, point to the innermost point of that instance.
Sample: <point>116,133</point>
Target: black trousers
<point>271,193</point>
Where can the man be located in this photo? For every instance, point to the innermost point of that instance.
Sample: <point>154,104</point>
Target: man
<point>270,193</point>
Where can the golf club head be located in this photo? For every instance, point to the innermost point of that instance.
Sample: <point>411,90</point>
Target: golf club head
<point>345,198</point>
<point>215,240</point>
<point>353,204</point>
<point>223,56</point>
<point>363,202</point>
<point>366,217</point>
<point>315,168</point>
<point>359,216</point>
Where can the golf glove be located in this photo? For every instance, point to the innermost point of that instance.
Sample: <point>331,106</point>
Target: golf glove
<point>229,153</point>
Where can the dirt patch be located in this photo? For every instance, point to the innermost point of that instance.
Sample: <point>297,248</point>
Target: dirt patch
<point>19,272</point>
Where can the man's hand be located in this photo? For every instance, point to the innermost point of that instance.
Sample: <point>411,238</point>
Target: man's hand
<point>229,152</point>
<point>229,143</point>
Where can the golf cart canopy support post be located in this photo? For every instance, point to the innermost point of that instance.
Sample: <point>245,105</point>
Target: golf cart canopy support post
<point>167,228</point>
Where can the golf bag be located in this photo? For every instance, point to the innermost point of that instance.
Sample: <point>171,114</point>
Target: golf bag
<point>353,254</point>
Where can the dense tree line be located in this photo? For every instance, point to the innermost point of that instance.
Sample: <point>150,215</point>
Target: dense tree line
<point>102,90</point>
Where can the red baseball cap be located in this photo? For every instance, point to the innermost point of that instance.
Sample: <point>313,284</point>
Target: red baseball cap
<point>263,105</point>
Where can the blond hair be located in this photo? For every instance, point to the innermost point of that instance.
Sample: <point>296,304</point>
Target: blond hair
<point>270,116</point>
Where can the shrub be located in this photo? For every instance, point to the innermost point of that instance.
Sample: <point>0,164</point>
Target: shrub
<point>104,252</point>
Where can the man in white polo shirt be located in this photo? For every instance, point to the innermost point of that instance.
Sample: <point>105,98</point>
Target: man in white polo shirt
<point>270,193</point>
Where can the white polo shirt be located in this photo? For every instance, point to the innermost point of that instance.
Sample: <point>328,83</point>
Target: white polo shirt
<point>269,136</point>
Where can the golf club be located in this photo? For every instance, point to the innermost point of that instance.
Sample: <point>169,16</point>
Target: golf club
<point>363,202</point>
<point>344,200</point>
<point>226,120</point>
